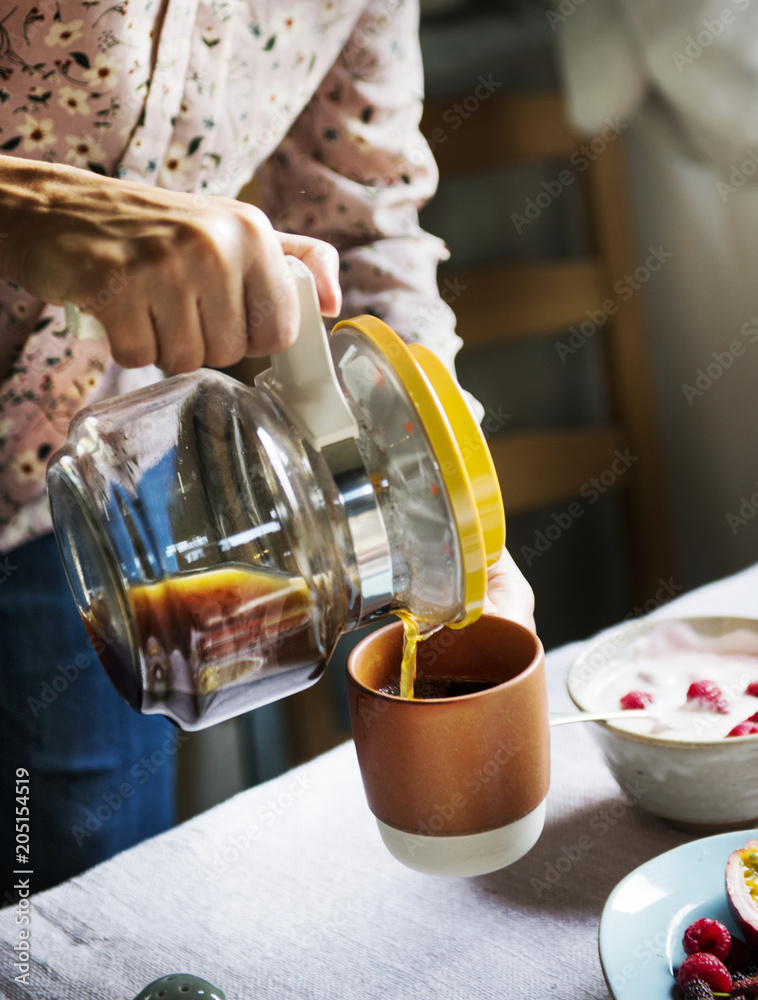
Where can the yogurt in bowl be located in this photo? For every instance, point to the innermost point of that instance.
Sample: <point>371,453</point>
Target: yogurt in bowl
<point>681,763</point>
<point>698,687</point>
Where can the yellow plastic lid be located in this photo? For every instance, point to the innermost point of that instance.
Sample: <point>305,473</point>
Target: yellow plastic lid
<point>461,451</point>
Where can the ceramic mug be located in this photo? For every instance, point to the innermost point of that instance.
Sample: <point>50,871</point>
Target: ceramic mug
<point>457,784</point>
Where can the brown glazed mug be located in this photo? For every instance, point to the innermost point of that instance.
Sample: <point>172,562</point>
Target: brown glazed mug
<point>457,784</point>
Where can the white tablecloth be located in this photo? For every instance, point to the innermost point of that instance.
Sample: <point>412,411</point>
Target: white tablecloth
<point>286,891</point>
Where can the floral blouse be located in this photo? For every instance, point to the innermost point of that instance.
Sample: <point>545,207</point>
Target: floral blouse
<point>320,99</point>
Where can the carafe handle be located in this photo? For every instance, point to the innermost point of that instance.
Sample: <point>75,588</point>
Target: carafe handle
<point>82,325</point>
<point>302,377</point>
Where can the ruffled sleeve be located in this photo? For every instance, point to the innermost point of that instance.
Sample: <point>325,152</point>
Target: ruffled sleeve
<point>354,169</point>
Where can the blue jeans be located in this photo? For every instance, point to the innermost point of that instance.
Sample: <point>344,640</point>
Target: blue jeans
<point>101,776</point>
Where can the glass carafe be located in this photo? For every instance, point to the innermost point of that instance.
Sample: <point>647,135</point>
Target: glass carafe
<point>219,538</point>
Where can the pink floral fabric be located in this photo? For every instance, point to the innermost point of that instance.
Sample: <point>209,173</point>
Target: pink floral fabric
<point>320,98</point>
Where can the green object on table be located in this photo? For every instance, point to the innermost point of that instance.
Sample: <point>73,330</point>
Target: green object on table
<point>180,986</point>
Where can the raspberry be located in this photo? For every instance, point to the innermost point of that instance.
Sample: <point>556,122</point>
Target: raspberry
<point>709,936</point>
<point>708,696</point>
<point>706,967</point>
<point>696,989</point>
<point>752,718</point>
<point>752,688</point>
<point>748,728</point>
<point>636,699</point>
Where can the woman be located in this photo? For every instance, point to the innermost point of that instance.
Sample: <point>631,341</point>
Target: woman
<point>127,129</point>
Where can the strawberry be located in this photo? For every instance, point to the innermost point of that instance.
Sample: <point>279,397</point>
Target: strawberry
<point>747,728</point>
<point>708,696</point>
<point>636,699</point>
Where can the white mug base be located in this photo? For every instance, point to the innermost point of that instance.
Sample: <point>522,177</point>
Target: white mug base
<point>467,854</point>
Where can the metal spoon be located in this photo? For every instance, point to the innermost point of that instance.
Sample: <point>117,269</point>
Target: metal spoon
<point>564,718</point>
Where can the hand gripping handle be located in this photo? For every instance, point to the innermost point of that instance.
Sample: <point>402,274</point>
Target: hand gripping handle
<point>302,377</point>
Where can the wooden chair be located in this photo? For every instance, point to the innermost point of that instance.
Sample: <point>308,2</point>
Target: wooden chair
<point>508,301</point>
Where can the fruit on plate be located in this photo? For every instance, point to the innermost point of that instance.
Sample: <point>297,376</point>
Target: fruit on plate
<point>718,964</point>
<point>742,890</point>
<point>707,968</point>
<point>707,935</point>
<point>696,989</point>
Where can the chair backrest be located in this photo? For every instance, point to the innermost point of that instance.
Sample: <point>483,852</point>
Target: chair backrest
<point>509,301</point>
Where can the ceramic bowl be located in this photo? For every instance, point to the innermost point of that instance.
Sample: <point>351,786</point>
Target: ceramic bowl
<point>703,786</point>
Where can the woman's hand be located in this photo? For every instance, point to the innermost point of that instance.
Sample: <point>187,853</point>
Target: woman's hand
<point>508,593</point>
<point>177,280</point>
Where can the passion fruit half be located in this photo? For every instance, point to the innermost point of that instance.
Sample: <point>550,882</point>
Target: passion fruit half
<point>742,890</point>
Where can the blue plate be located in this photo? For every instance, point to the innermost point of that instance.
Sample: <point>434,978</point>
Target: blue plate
<point>648,912</point>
